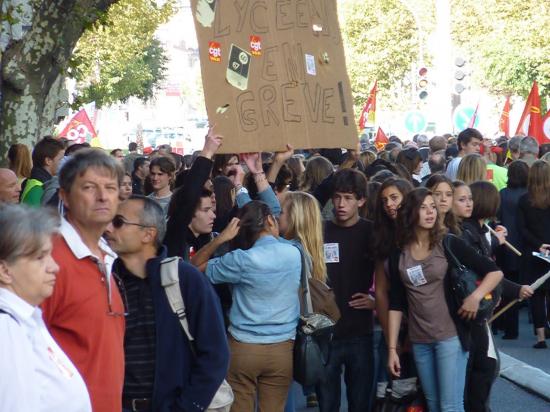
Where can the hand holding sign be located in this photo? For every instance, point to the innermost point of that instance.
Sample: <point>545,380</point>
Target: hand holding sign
<point>212,143</point>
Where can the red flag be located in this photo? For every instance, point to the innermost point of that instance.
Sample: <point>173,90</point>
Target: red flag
<point>79,129</point>
<point>546,126</point>
<point>504,122</point>
<point>369,111</point>
<point>381,140</point>
<point>532,109</point>
<point>474,117</point>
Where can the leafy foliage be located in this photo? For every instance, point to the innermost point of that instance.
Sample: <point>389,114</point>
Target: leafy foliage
<point>382,42</point>
<point>119,57</point>
<point>507,43</point>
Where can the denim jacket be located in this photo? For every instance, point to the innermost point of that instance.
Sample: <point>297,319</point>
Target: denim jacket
<point>265,281</point>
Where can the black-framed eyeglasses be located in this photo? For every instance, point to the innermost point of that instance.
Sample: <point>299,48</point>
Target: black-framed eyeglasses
<point>118,221</point>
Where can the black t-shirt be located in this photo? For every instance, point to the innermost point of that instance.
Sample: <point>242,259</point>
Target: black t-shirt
<point>350,269</point>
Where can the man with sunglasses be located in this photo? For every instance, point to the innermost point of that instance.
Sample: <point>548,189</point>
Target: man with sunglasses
<point>162,372</point>
<point>85,313</point>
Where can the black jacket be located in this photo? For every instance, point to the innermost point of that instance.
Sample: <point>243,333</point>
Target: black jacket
<point>474,235</point>
<point>183,204</point>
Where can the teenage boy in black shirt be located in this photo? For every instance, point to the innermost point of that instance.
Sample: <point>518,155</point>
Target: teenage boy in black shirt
<point>350,272</point>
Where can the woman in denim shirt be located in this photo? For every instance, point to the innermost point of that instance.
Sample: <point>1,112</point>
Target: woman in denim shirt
<point>264,271</point>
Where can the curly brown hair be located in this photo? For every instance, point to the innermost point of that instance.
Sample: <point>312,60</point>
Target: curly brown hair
<point>408,216</point>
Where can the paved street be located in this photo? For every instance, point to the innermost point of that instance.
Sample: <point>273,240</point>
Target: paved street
<point>506,396</point>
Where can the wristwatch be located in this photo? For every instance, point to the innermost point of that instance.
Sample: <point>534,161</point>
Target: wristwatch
<point>242,190</point>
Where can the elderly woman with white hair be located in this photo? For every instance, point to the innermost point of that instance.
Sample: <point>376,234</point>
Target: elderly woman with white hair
<point>35,374</point>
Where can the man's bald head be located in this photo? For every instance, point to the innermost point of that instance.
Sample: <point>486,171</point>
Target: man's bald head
<point>10,188</point>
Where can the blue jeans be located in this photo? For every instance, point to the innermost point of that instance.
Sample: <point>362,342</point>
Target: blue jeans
<point>356,355</point>
<point>441,368</point>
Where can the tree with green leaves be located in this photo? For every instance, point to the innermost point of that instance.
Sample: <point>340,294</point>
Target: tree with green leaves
<point>506,42</point>
<point>382,40</point>
<point>118,57</point>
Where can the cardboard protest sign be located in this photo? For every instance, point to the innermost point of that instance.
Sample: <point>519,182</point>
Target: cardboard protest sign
<point>273,73</point>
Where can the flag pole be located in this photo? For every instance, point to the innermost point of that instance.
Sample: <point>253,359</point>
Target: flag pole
<point>537,284</point>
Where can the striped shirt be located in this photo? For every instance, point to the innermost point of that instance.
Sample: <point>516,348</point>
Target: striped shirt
<point>139,340</point>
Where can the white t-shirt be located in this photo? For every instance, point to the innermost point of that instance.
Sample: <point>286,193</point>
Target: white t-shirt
<point>35,374</point>
<point>452,168</point>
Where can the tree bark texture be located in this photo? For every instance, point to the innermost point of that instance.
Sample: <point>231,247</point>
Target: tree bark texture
<point>31,68</point>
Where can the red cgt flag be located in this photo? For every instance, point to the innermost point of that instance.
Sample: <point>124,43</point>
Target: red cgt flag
<point>532,109</point>
<point>369,111</point>
<point>504,122</point>
<point>381,140</point>
<point>79,129</point>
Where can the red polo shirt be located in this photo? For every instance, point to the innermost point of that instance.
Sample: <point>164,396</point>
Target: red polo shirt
<point>77,315</point>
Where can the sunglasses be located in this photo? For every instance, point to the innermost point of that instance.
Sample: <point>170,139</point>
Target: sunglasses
<point>118,221</point>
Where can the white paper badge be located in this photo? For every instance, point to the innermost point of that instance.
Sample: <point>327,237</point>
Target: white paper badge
<point>310,65</point>
<point>416,276</point>
<point>332,253</point>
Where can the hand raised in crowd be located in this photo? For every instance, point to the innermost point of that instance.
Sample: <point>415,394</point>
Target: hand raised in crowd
<point>230,231</point>
<point>525,292</point>
<point>545,249</point>
<point>282,157</point>
<point>212,143</point>
<point>236,175</point>
<point>469,307</point>
<point>394,365</point>
<point>253,162</point>
<point>362,301</point>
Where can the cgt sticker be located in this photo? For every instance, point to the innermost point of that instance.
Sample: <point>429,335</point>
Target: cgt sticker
<point>215,51</point>
<point>255,46</point>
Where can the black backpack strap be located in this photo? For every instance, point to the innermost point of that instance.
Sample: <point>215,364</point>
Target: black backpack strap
<point>447,246</point>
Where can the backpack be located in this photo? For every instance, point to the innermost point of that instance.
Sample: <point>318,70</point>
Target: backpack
<point>169,277</point>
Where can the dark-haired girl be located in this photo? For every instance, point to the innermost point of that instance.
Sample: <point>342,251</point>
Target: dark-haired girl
<point>534,223</point>
<point>388,201</point>
<point>265,273</point>
<point>518,171</point>
<point>438,330</point>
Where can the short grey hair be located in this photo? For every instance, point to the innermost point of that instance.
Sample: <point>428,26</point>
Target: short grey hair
<point>85,159</point>
<point>24,229</point>
<point>529,145</point>
<point>513,143</point>
<point>152,215</point>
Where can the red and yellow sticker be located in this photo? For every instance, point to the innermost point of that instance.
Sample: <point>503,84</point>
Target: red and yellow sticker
<point>215,51</point>
<point>255,46</point>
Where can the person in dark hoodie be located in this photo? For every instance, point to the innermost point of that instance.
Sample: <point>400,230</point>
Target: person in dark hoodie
<point>46,156</point>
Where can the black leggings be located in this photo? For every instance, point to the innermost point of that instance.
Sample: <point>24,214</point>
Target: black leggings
<point>481,373</point>
<point>538,309</point>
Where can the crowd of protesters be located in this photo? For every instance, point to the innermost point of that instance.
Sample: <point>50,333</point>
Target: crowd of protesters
<point>90,321</point>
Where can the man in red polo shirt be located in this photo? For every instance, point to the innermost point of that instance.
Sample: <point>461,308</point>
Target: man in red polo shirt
<point>85,314</point>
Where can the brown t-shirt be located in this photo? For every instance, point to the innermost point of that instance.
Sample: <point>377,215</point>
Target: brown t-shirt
<point>429,318</point>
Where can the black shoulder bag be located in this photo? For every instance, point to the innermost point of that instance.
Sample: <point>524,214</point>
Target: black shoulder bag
<point>313,335</point>
<point>463,282</point>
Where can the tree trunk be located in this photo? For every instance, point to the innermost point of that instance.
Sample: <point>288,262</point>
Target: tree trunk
<point>33,64</point>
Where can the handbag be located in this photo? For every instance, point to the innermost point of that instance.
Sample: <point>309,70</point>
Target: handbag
<point>402,395</point>
<point>169,276</point>
<point>313,334</point>
<point>463,282</point>
<point>323,299</point>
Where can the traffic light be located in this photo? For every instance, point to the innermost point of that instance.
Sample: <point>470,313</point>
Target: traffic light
<point>422,83</point>
<point>460,75</point>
